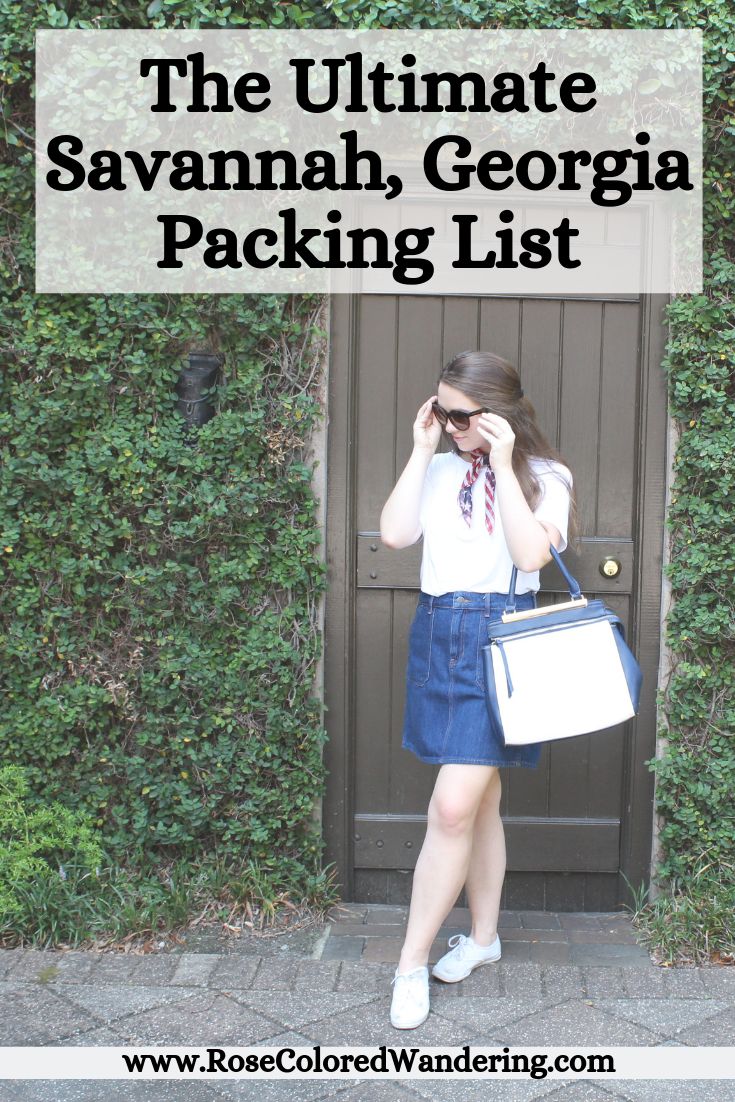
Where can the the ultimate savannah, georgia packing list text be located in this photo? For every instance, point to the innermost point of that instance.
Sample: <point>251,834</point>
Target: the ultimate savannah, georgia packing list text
<point>409,161</point>
<point>270,170</point>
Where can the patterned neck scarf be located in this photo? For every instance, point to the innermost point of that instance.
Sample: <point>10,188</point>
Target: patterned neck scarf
<point>480,459</point>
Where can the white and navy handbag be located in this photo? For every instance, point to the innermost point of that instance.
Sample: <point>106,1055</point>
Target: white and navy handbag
<point>558,671</point>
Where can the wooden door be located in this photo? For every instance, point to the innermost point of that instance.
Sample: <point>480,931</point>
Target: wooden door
<point>591,368</point>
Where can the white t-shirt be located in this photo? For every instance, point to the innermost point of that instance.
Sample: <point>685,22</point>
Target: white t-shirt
<point>458,556</point>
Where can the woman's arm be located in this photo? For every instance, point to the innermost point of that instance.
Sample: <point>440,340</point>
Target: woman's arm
<point>399,520</point>
<point>527,538</point>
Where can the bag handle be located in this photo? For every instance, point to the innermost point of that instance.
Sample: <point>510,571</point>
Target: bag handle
<point>575,591</point>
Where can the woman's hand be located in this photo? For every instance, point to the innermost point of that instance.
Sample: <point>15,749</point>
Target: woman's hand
<point>501,438</point>
<point>426,429</point>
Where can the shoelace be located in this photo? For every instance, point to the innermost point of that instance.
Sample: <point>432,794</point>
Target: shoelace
<point>414,985</point>
<point>458,943</point>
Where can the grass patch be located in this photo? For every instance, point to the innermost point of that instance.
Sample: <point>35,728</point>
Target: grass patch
<point>146,907</point>
<point>693,921</point>
<point>59,888</point>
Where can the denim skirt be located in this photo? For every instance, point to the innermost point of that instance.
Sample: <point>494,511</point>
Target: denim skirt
<point>445,719</point>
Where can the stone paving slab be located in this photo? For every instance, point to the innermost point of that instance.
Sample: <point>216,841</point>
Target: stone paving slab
<point>368,929</point>
<point>484,1015</point>
<point>388,949</point>
<point>234,972</point>
<point>601,983</point>
<point>34,1015</point>
<point>573,1023</point>
<point>583,1090</point>
<point>671,1017</point>
<point>116,1090</point>
<point>280,1090</point>
<point>148,970</point>
<point>517,980</point>
<point>108,1004</point>
<point>514,1088</point>
<point>661,983</point>
<point>549,953</point>
<point>601,937</point>
<point>370,1025</point>
<point>563,982</point>
<point>295,1012</point>
<point>103,1035</point>
<point>66,967</point>
<point>677,1090</point>
<point>376,1091</point>
<point>486,981</point>
<point>44,966</point>
<point>274,975</point>
<point>209,1017</point>
<point>683,983</point>
<point>540,920</point>
<point>195,969</point>
<point>8,960</point>
<point>381,913</point>
<point>364,976</point>
<point>718,1030</point>
<point>557,935</point>
<point>22,961</point>
<point>717,981</point>
<point>580,921</point>
<point>587,1091</point>
<point>350,912</point>
<point>289,1038</point>
<point>637,983</point>
<point>344,948</point>
<point>617,956</point>
<point>317,975</point>
<point>507,920</point>
<point>440,991</point>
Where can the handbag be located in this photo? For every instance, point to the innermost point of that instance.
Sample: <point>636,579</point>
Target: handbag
<point>558,671</point>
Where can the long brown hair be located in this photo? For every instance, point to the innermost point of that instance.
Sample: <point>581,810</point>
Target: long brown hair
<point>493,382</point>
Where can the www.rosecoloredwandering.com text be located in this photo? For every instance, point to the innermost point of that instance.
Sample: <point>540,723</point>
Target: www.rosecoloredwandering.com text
<point>385,1061</point>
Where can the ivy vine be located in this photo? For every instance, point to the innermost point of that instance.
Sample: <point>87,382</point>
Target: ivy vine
<point>158,602</point>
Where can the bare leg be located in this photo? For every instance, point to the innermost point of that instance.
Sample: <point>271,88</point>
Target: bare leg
<point>442,865</point>
<point>486,870</point>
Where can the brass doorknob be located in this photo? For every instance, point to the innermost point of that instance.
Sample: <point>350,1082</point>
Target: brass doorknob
<point>610,567</point>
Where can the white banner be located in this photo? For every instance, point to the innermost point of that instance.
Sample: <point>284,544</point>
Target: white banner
<point>377,1062</point>
<point>356,161</point>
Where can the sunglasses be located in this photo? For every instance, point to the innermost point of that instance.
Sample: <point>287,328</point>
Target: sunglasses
<point>460,418</point>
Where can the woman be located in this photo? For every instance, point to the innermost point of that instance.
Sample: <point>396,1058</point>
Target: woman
<point>498,498</point>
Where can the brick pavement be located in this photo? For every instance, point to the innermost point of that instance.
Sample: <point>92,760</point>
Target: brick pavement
<point>375,933</point>
<point>341,996</point>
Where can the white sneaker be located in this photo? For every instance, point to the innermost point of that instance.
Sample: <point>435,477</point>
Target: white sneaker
<point>410,1005</point>
<point>464,956</point>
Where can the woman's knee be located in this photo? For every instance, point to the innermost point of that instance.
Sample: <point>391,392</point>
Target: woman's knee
<point>454,806</point>
<point>453,811</point>
<point>451,814</point>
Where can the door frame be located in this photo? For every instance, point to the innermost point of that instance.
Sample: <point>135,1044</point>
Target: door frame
<point>652,471</point>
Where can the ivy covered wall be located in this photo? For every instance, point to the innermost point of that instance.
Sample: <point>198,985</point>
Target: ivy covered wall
<point>158,601</point>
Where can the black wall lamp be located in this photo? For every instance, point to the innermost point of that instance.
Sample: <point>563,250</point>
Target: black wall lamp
<point>194,387</point>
